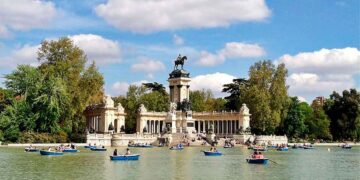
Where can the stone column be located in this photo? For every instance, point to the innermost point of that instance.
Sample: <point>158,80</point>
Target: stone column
<point>231,127</point>
<point>204,125</point>
<point>222,127</point>
<point>199,127</point>
<point>226,127</point>
<point>152,127</point>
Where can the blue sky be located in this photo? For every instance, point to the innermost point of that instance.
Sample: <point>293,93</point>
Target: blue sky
<point>136,41</point>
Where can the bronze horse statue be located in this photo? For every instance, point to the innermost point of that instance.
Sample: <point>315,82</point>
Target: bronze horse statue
<point>180,61</point>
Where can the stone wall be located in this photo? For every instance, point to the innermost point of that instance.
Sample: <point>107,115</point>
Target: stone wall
<point>99,139</point>
<point>271,140</point>
<point>119,139</point>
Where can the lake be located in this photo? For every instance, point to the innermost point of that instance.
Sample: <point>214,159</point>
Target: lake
<point>161,163</point>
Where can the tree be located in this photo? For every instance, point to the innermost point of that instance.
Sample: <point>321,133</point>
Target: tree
<point>131,106</point>
<point>62,59</point>
<point>344,113</point>
<point>156,101</point>
<point>278,93</point>
<point>203,100</point>
<point>294,125</point>
<point>235,99</point>
<point>318,123</point>
<point>155,87</point>
<point>264,81</point>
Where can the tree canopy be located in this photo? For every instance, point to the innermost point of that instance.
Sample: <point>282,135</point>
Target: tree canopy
<point>51,98</point>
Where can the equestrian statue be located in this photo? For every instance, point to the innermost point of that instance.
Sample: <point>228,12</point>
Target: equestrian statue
<point>180,60</point>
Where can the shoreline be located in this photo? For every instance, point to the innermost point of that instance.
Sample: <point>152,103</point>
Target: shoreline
<point>84,144</point>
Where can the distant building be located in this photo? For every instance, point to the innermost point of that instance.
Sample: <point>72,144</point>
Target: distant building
<point>320,100</point>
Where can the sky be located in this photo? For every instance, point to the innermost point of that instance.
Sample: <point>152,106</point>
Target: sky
<point>136,41</point>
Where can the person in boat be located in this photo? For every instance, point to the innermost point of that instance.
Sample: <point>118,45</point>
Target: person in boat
<point>127,151</point>
<point>115,152</point>
<point>49,149</point>
<point>103,147</point>
<point>257,155</point>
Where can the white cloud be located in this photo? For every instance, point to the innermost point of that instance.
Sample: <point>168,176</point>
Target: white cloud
<point>230,51</point>
<point>102,50</point>
<point>4,32</point>
<point>318,73</point>
<point>23,55</point>
<point>25,14</point>
<point>309,85</point>
<point>238,50</point>
<point>301,99</point>
<point>148,65</point>
<point>213,82</point>
<point>324,61</point>
<point>159,15</point>
<point>121,87</point>
<point>209,59</point>
<point>177,40</point>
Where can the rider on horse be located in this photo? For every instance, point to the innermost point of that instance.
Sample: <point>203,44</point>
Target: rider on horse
<point>180,61</point>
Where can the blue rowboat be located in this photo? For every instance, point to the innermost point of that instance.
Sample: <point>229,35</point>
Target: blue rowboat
<point>210,153</point>
<point>51,153</point>
<point>132,157</point>
<point>70,150</point>
<point>283,149</point>
<point>176,148</point>
<point>139,145</point>
<point>260,149</point>
<point>31,150</point>
<point>258,161</point>
<point>98,149</point>
<point>308,147</point>
<point>346,146</point>
<point>89,147</point>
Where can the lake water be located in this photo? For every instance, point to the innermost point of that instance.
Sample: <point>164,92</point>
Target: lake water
<point>161,163</point>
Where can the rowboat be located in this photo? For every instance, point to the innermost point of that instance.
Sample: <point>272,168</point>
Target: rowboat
<point>98,149</point>
<point>132,157</point>
<point>176,148</point>
<point>140,145</point>
<point>70,150</point>
<point>309,147</point>
<point>31,150</point>
<point>283,149</point>
<point>257,161</point>
<point>346,146</point>
<point>89,147</point>
<point>51,153</point>
<point>210,153</point>
<point>259,149</point>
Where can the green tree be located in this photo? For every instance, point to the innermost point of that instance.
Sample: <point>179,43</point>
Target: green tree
<point>155,87</point>
<point>278,93</point>
<point>294,122</point>
<point>155,101</point>
<point>62,59</point>
<point>203,100</point>
<point>236,90</point>
<point>131,106</point>
<point>318,123</point>
<point>344,113</point>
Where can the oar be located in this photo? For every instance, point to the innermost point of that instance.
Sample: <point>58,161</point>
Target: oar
<point>273,161</point>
